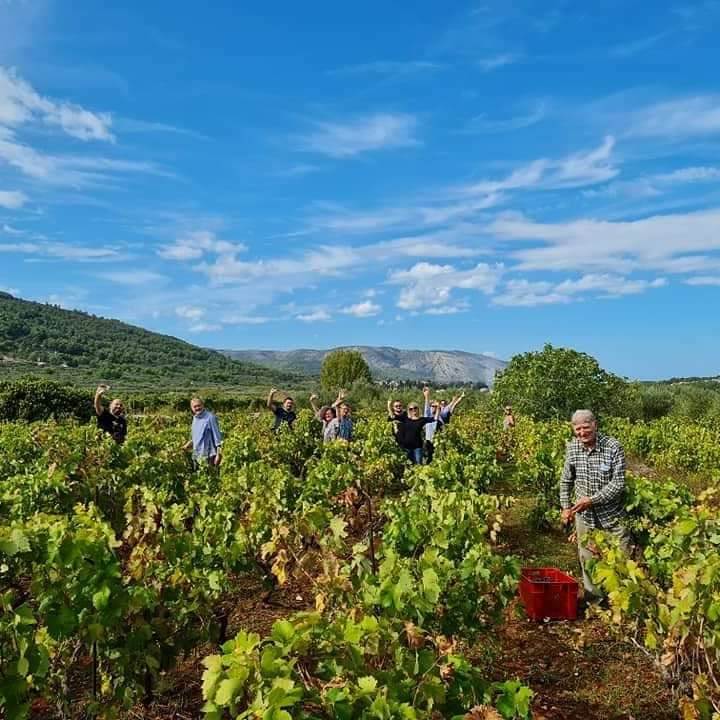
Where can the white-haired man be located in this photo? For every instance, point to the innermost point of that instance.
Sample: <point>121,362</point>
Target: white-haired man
<point>205,436</point>
<point>592,488</point>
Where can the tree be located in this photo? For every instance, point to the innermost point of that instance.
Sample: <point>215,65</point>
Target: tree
<point>555,382</point>
<point>342,368</point>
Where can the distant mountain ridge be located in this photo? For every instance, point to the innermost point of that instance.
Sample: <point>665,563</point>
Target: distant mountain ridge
<point>390,363</point>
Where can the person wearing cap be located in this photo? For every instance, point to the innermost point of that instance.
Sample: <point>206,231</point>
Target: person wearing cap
<point>592,489</point>
<point>409,432</point>
<point>508,418</point>
<point>111,419</point>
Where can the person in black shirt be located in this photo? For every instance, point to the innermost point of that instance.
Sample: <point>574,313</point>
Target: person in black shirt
<point>409,432</point>
<point>284,413</point>
<point>112,419</point>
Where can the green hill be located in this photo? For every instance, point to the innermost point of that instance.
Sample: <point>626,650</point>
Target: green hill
<point>74,346</point>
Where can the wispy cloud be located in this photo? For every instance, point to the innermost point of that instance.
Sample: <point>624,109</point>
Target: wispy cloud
<point>575,170</point>
<point>668,243</point>
<point>364,309</point>
<point>635,47</point>
<point>193,245</point>
<point>481,124</point>
<point>134,277</point>
<point>389,67</point>
<point>677,118</point>
<point>20,104</point>
<point>657,184</point>
<point>704,280</point>
<point>495,62</point>
<point>60,251</point>
<point>526,293</point>
<point>12,199</point>
<point>315,316</point>
<point>371,132</point>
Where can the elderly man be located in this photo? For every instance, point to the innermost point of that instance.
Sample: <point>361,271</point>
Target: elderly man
<point>205,436</point>
<point>111,419</point>
<point>592,488</point>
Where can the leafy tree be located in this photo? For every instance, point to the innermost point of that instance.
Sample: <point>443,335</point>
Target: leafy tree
<point>33,399</point>
<point>555,382</point>
<point>342,368</point>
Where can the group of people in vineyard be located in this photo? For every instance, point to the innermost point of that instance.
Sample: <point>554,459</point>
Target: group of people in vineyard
<point>592,484</point>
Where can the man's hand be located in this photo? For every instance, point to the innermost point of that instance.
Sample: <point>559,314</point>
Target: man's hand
<point>187,445</point>
<point>102,388</point>
<point>582,504</point>
<point>217,460</point>
<point>566,516</point>
<point>313,397</point>
<point>272,391</point>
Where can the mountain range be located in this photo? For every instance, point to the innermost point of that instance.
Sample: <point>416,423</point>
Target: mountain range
<point>389,363</point>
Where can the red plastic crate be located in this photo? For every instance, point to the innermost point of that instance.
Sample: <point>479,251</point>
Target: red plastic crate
<point>548,593</point>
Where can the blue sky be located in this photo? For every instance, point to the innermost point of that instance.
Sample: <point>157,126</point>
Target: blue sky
<point>486,176</point>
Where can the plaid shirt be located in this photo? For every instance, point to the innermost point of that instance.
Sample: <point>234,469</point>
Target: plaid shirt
<point>598,474</point>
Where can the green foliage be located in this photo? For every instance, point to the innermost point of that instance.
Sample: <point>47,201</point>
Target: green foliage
<point>553,383</point>
<point>46,337</point>
<point>343,368</point>
<point>34,399</point>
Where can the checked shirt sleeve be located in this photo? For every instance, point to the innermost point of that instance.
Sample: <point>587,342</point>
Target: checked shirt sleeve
<point>614,490</point>
<point>567,479</point>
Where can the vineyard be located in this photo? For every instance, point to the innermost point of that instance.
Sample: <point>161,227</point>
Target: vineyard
<point>122,566</point>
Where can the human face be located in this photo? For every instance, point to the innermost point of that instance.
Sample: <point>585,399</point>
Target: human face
<point>289,404</point>
<point>433,406</point>
<point>508,411</point>
<point>197,407</point>
<point>413,410</point>
<point>329,415</point>
<point>344,410</point>
<point>397,407</point>
<point>117,408</point>
<point>586,432</point>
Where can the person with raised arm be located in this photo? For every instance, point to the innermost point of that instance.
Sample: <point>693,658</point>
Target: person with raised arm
<point>111,419</point>
<point>205,436</point>
<point>409,432</point>
<point>284,412</point>
<point>508,418</point>
<point>447,410</point>
<point>431,410</point>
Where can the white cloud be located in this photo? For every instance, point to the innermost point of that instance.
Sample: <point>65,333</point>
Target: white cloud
<point>237,319</point>
<point>496,62</point>
<point>9,230</point>
<point>427,285</point>
<point>55,250</point>
<point>316,316</point>
<point>483,124</point>
<point>20,104</point>
<point>372,132</point>
<point>10,290</point>
<point>134,277</point>
<point>204,327</point>
<point>700,280</point>
<point>676,119</point>
<point>637,46</point>
<point>662,242</point>
<point>654,185</point>
<point>193,245</point>
<point>12,199</point>
<point>364,309</point>
<point>525,293</point>
<point>575,170</point>
<point>416,216</point>
<point>189,312</point>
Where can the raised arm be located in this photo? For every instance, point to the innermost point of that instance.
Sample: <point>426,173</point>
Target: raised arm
<point>313,404</point>
<point>456,401</point>
<point>389,407</point>
<point>341,396</point>
<point>270,405</point>
<point>101,389</point>
<point>426,394</point>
